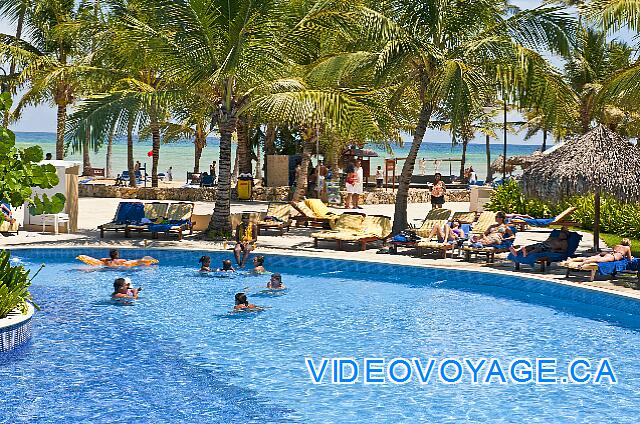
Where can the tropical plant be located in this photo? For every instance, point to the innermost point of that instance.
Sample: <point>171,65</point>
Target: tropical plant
<point>14,286</point>
<point>508,197</point>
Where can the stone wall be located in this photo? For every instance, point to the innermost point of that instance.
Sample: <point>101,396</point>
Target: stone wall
<point>271,194</point>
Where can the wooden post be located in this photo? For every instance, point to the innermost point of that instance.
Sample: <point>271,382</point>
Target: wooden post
<point>596,222</point>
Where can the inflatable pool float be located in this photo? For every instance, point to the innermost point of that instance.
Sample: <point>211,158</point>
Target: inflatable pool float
<point>145,261</point>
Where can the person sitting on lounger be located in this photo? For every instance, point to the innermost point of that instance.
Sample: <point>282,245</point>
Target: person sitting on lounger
<point>6,212</point>
<point>113,259</point>
<point>276,282</point>
<point>448,234</point>
<point>496,234</point>
<point>205,264</point>
<point>226,266</point>
<point>620,251</point>
<point>246,236</point>
<point>258,265</point>
<point>554,243</point>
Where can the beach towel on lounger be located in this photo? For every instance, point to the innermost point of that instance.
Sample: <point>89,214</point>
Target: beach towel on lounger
<point>572,245</point>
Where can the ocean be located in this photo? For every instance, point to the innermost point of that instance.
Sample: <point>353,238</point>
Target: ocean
<point>180,155</point>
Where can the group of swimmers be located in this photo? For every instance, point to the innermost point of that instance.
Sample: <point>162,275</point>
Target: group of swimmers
<point>123,290</point>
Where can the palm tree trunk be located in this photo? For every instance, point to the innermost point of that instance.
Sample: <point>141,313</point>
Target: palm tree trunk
<point>155,137</point>
<point>220,224</point>
<point>109,161</point>
<point>544,140</point>
<point>12,67</point>
<point>302,183</point>
<point>270,140</point>
<point>584,116</point>
<point>244,150</point>
<point>487,142</point>
<point>463,159</point>
<point>61,123</point>
<point>130,165</point>
<point>86,159</point>
<point>400,216</point>
<point>200,143</point>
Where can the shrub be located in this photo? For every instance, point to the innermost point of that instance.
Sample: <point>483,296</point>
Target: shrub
<point>14,286</point>
<point>509,198</point>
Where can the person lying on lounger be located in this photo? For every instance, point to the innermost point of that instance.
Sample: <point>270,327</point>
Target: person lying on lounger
<point>620,251</point>
<point>554,243</point>
<point>496,234</point>
<point>6,212</point>
<point>447,234</point>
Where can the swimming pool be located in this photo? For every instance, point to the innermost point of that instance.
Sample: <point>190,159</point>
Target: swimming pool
<point>177,355</point>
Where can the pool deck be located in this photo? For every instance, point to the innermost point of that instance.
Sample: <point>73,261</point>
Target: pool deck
<point>96,211</point>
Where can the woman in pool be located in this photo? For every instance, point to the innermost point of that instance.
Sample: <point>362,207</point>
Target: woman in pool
<point>242,304</point>
<point>226,266</point>
<point>258,265</point>
<point>205,264</point>
<point>113,259</point>
<point>122,289</point>
<point>620,251</point>
<point>276,282</point>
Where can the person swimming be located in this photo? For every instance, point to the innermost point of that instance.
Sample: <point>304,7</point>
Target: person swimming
<point>122,289</point>
<point>205,264</point>
<point>113,259</point>
<point>275,283</point>
<point>226,266</point>
<point>242,303</point>
<point>258,265</point>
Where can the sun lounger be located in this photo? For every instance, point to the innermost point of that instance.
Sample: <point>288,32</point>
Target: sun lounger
<point>434,245</point>
<point>561,219</point>
<point>356,228</point>
<point>424,231</point>
<point>126,213</point>
<point>314,212</point>
<point>438,214</point>
<point>277,217</point>
<point>152,212</point>
<point>604,268</point>
<point>177,220</point>
<point>6,226</point>
<point>490,251</point>
<point>485,220</point>
<point>464,217</point>
<point>544,259</point>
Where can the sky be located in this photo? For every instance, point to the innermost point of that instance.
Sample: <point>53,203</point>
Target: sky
<point>42,118</point>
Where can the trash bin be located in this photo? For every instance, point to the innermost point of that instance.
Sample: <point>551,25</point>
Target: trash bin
<point>245,187</point>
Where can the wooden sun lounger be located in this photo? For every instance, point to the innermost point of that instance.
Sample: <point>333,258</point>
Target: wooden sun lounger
<point>152,211</point>
<point>357,228</point>
<point>282,211</point>
<point>180,214</point>
<point>307,216</point>
<point>561,219</point>
<point>489,252</point>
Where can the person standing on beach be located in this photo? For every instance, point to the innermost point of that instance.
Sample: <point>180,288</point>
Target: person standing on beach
<point>379,177</point>
<point>437,192</point>
<point>359,185</point>
<point>137,167</point>
<point>350,185</point>
<point>170,173</point>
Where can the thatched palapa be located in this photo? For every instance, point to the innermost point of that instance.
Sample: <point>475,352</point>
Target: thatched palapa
<point>598,162</point>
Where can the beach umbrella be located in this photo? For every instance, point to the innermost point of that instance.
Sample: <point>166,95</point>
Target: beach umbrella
<point>598,162</point>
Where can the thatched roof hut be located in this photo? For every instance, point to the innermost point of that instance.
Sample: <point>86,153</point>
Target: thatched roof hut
<point>598,162</point>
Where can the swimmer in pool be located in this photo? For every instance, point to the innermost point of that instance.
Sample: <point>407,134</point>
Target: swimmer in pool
<point>276,282</point>
<point>258,265</point>
<point>243,304</point>
<point>205,264</point>
<point>226,266</point>
<point>113,259</point>
<point>122,289</point>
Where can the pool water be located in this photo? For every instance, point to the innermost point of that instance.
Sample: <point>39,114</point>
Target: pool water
<point>179,355</point>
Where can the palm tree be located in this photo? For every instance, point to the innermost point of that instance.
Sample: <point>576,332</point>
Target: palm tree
<point>13,11</point>
<point>448,63</point>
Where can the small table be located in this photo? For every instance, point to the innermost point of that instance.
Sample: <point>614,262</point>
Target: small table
<point>56,219</point>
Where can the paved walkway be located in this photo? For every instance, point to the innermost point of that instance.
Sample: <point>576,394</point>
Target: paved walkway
<point>95,211</point>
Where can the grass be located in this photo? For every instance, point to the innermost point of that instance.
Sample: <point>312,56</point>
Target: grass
<point>613,239</point>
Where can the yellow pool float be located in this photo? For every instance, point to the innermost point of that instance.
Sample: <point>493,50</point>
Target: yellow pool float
<point>144,261</point>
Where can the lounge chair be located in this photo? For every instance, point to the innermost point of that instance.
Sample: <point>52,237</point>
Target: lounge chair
<point>561,219</point>
<point>277,217</point>
<point>424,231</point>
<point>314,212</point>
<point>126,213</point>
<point>438,214</point>
<point>489,251</point>
<point>604,268</point>
<point>356,228</point>
<point>177,220</point>
<point>152,212</point>
<point>544,259</point>
<point>464,217</point>
<point>485,220</point>
<point>6,226</point>
<point>207,181</point>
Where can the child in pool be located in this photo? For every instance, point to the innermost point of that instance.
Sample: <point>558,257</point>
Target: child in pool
<point>226,266</point>
<point>122,289</point>
<point>205,264</point>
<point>276,282</point>
<point>258,265</point>
<point>242,303</point>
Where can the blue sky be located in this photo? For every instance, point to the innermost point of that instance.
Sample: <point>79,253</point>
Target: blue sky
<point>42,118</point>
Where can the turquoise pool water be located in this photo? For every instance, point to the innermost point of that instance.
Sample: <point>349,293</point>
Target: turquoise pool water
<point>178,355</point>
